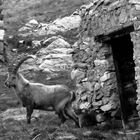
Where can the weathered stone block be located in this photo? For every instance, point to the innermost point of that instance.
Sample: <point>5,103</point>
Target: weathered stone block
<point>88,86</point>
<point>77,74</point>
<point>138,107</point>
<point>123,16</point>
<point>99,95</point>
<point>137,25</point>
<point>84,97</point>
<point>97,86</point>
<point>134,1</point>
<point>85,105</point>
<point>99,103</point>
<point>137,7</point>
<point>138,90</point>
<point>105,77</point>
<point>106,107</point>
<point>2,33</point>
<point>98,62</point>
<point>105,100</point>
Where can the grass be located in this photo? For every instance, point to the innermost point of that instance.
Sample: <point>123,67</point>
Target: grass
<point>47,125</point>
<point>18,12</point>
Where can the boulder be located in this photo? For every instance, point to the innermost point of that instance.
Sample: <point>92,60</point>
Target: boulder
<point>77,74</point>
<point>52,59</point>
<point>84,106</point>
<point>55,57</point>
<point>107,107</point>
<point>134,1</point>
<point>60,25</point>
<point>68,23</point>
<point>105,77</point>
<point>2,33</point>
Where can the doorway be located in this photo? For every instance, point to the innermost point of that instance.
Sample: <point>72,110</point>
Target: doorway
<point>122,49</point>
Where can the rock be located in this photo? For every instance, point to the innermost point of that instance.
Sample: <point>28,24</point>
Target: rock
<point>1,23</point>
<point>36,43</point>
<point>137,7</point>
<point>66,136</point>
<point>55,57</point>
<point>60,25</point>
<point>59,43</point>
<point>52,29</point>
<point>138,107</point>
<point>84,97</point>
<point>50,40</point>
<point>33,22</point>
<point>105,77</point>
<point>123,16</point>
<point>22,29</point>
<point>107,2</point>
<point>68,23</point>
<point>80,90</point>
<point>134,1</point>
<point>106,107</point>
<point>99,96</point>
<point>87,133</point>
<point>86,6</point>
<point>2,33</point>
<point>99,103</point>
<point>80,65</point>
<point>105,100</point>
<point>100,117</point>
<point>85,80</point>
<point>85,105</point>
<point>88,86</point>
<point>98,62</point>
<point>77,74</point>
<point>54,65</point>
<point>97,86</point>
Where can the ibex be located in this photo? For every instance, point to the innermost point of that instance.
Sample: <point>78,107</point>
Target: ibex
<point>56,98</point>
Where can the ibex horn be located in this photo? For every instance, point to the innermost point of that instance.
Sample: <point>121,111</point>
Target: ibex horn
<point>20,62</point>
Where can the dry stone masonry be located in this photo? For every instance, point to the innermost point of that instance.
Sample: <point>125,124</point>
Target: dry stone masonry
<point>2,30</point>
<point>95,70</point>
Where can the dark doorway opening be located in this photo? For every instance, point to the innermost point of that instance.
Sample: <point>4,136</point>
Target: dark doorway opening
<point>122,49</point>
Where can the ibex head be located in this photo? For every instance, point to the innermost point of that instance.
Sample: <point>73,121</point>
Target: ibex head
<point>12,72</point>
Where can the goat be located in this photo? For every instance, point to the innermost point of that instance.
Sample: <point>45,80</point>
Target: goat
<point>56,98</point>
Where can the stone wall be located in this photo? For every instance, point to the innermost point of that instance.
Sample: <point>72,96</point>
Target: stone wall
<point>2,30</point>
<point>97,87</point>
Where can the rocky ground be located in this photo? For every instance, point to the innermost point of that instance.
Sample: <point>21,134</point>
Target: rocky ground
<point>46,125</point>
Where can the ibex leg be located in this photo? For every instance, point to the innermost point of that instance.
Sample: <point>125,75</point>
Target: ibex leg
<point>71,114</point>
<point>29,110</point>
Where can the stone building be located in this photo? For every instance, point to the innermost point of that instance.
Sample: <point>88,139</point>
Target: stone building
<point>107,58</point>
<point>2,31</point>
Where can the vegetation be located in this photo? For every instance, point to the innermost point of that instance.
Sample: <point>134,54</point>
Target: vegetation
<point>18,12</point>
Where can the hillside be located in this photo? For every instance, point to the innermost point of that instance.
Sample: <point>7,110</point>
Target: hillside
<point>17,13</point>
